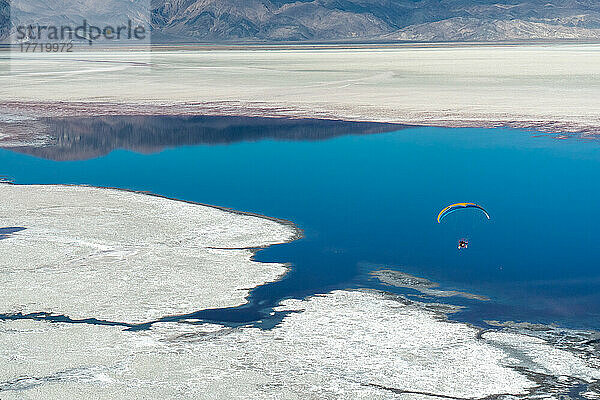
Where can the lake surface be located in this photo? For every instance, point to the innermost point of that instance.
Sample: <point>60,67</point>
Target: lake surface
<point>370,201</point>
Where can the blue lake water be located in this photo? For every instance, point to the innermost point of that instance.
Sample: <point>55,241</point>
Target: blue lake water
<point>367,202</point>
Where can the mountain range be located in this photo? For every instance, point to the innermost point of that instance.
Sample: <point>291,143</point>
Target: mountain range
<point>339,20</point>
<point>420,20</point>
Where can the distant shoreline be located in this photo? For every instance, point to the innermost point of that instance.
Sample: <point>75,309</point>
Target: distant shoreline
<point>316,45</point>
<point>550,87</point>
<point>21,126</point>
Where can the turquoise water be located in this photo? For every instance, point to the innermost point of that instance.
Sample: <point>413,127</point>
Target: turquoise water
<point>367,202</point>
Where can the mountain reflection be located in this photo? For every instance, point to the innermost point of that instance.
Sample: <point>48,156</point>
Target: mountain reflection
<point>80,138</point>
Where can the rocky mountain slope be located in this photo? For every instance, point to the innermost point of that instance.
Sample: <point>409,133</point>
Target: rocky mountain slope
<point>333,20</point>
<point>428,20</point>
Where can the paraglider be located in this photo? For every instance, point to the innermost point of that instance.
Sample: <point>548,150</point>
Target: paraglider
<point>459,206</point>
<point>462,243</point>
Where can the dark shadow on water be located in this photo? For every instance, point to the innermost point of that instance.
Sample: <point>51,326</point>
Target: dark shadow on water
<point>82,138</point>
<point>6,232</point>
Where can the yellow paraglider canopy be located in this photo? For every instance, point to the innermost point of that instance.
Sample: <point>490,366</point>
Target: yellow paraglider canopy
<point>458,206</point>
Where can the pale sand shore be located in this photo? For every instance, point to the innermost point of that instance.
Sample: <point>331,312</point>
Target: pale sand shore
<point>127,257</point>
<point>343,345</point>
<point>546,87</point>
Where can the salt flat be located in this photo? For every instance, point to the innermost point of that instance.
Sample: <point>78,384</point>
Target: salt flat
<point>343,345</point>
<point>127,257</point>
<point>549,87</point>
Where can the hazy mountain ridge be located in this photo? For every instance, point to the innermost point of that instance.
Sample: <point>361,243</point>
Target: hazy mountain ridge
<point>421,20</point>
<point>473,29</point>
<point>427,20</point>
<point>4,18</point>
